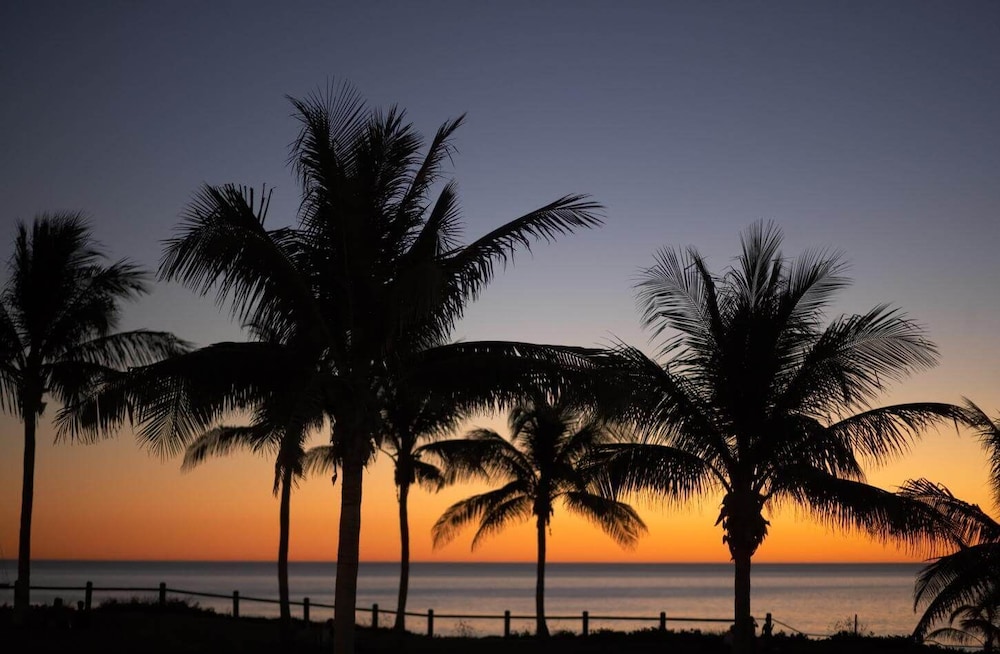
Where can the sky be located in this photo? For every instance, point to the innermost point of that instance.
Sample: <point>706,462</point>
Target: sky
<point>867,128</point>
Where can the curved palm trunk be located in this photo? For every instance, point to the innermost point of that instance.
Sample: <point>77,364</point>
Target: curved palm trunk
<point>283,531</point>
<point>22,592</point>
<point>348,545</point>
<point>541,629</point>
<point>404,556</point>
<point>743,631</point>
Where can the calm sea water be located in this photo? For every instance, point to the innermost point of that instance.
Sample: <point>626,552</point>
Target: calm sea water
<point>809,597</point>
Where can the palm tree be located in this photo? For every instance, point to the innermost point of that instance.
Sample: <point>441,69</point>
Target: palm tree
<point>971,624</point>
<point>762,403</point>
<point>544,461</point>
<point>410,418</point>
<point>58,313</point>
<point>267,435</point>
<point>371,272</point>
<point>967,577</point>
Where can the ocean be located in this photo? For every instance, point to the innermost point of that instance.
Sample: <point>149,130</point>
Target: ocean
<point>817,599</point>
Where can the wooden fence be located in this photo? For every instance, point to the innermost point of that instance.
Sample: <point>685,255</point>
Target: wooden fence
<point>375,612</point>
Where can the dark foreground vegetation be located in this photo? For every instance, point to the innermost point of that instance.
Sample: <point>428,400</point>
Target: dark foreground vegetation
<point>181,628</point>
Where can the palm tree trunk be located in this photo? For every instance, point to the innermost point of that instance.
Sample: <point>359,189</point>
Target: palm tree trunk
<point>22,592</point>
<point>404,556</point>
<point>541,629</point>
<point>743,629</point>
<point>283,530</point>
<point>346,593</point>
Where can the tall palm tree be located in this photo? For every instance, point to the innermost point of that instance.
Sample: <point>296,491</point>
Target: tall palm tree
<point>967,577</point>
<point>269,434</point>
<point>545,461</point>
<point>371,271</point>
<point>58,313</point>
<point>763,404</point>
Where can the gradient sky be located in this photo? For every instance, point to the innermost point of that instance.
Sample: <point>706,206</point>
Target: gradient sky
<point>865,127</point>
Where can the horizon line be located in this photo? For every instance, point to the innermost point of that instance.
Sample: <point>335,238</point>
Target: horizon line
<point>393,561</point>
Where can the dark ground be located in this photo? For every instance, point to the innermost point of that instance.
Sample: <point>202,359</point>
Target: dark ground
<point>138,628</point>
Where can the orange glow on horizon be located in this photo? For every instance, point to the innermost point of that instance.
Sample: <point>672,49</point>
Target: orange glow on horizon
<point>109,501</point>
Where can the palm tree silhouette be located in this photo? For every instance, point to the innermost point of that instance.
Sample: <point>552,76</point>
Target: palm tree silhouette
<point>410,418</point>
<point>372,272</point>
<point>58,313</point>
<point>762,403</point>
<point>269,433</point>
<point>545,461</point>
<point>971,624</point>
<point>962,585</point>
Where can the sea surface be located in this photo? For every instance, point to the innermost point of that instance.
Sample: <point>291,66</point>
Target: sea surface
<point>817,599</point>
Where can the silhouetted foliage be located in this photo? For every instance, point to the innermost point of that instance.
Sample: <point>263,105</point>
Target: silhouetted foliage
<point>963,587</point>
<point>371,273</point>
<point>759,401</point>
<point>543,463</point>
<point>59,311</point>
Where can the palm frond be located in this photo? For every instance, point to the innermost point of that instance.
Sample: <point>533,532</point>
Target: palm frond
<point>616,519</point>
<point>813,278</point>
<point>855,506</point>
<point>474,265</point>
<point>967,576</point>
<point>223,245</point>
<point>516,508</point>
<point>483,455</point>
<point>174,400</point>
<point>854,359</point>
<point>882,433</point>
<point>486,376</point>
<point>953,636</point>
<point>91,308</point>
<point>320,460</point>
<point>653,472</point>
<point>331,120</point>
<point>427,475</point>
<point>757,274</point>
<point>988,431</point>
<point>504,500</point>
<point>429,172</point>
<point>969,523</point>
<point>224,440</point>
<point>678,293</point>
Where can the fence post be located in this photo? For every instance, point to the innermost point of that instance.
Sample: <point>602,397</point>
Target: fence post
<point>506,624</point>
<point>430,622</point>
<point>88,595</point>
<point>855,625</point>
<point>663,620</point>
<point>586,623</point>
<point>374,616</point>
<point>163,593</point>
<point>236,603</point>
<point>305,609</point>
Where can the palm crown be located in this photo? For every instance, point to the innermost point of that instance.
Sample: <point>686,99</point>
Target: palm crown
<point>962,586</point>
<point>545,461</point>
<point>760,401</point>
<point>59,311</point>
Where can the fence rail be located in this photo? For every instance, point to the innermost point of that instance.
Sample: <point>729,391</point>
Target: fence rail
<point>375,611</point>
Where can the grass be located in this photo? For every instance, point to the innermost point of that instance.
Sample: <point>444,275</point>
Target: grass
<point>130,626</point>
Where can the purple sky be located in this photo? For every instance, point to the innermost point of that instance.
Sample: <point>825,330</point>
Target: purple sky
<point>865,127</point>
